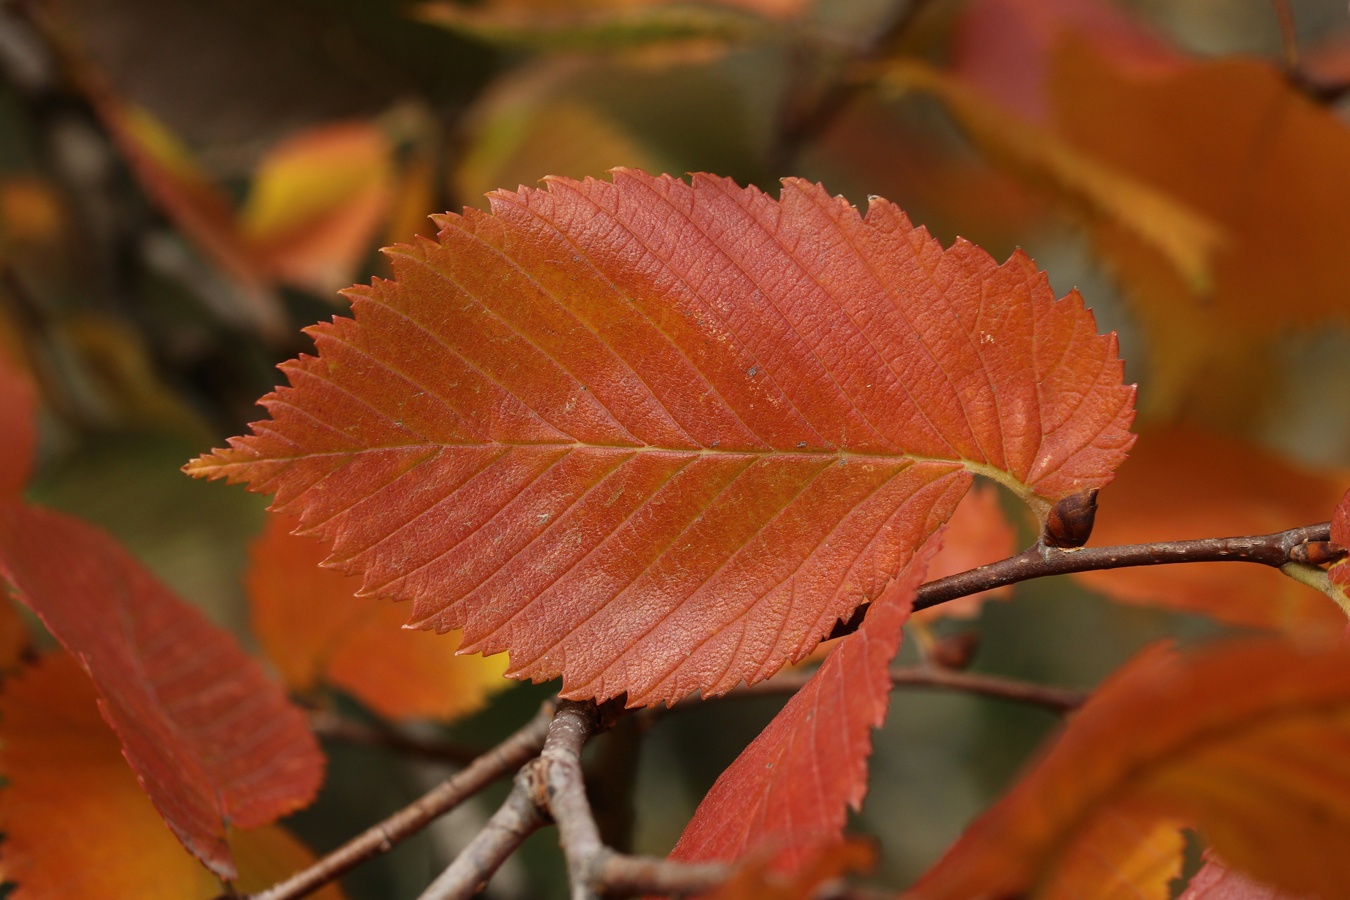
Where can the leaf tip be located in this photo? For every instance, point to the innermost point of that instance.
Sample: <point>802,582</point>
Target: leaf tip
<point>208,465</point>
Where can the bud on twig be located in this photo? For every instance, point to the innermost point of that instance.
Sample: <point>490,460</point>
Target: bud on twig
<point>1318,553</point>
<point>955,651</point>
<point>1069,524</point>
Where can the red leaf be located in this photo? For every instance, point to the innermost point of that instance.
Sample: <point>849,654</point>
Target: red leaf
<point>1246,740</point>
<point>790,790</point>
<point>658,437</point>
<point>1339,572</point>
<point>18,414</point>
<point>213,741</point>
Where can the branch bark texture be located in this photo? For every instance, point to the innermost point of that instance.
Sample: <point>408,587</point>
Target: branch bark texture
<point>502,760</point>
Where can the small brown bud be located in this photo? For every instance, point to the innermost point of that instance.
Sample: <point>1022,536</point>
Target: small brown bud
<point>1069,524</point>
<point>1318,553</point>
<point>955,651</point>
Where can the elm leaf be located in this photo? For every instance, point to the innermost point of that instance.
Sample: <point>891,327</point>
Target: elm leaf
<point>658,436</point>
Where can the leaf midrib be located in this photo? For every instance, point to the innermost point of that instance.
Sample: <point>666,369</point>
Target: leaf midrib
<point>1020,489</point>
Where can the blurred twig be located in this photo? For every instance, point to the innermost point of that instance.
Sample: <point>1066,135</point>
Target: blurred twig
<point>329,724</point>
<point>810,107</point>
<point>518,818</point>
<point>1056,699</point>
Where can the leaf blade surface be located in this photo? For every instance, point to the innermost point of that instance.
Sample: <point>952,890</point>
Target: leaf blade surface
<point>657,436</point>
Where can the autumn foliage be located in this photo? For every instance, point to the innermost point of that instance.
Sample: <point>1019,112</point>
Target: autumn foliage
<point>671,447</point>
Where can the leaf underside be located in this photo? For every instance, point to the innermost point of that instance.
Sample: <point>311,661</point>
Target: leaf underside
<point>657,437</point>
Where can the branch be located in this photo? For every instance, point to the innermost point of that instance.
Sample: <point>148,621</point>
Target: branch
<point>506,757</point>
<point>564,791</point>
<point>620,875</point>
<point>808,109</point>
<point>553,786</point>
<point>518,818</point>
<point>1056,699</point>
<point>1039,561</point>
<point>593,868</point>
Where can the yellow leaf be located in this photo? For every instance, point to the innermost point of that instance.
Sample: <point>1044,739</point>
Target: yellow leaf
<point>1122,855</point>
<point>317,202</point>
<point>606,26</point>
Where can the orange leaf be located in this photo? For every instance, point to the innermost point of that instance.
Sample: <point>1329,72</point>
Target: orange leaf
<point>790,790</point>
<point>77,823</point>
<point>1123,854</point>
<point>1209,129</point>
<point>32,213</point>
<point>270,854</point>
<point>1207,134</point>
<point>658,437</point>
<point>1183,483</point>
<point>316,203</point>
<point>312,628</point>
<point>1178,234</point>
<point>213,742</point>
<point>18,424</point>
<point>1245,740</point>
<point>1232,140</point>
